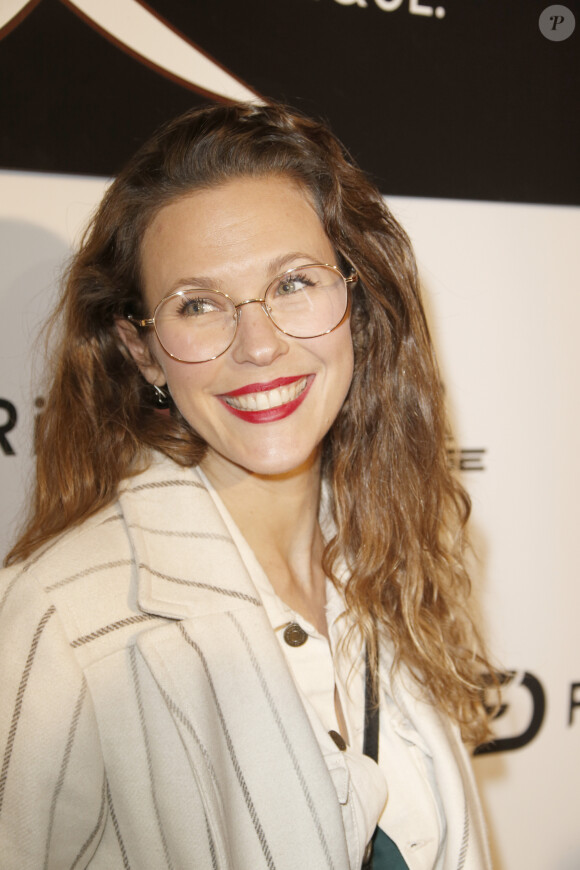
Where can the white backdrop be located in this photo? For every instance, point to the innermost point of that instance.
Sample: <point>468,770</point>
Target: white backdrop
<point>502,290</point>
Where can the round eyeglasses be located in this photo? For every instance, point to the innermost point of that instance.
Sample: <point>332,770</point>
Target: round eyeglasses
<point>194,325</point>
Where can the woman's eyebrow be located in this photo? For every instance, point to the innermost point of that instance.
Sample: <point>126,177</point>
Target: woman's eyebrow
<point>201,281</point>
<point>277,264</point>
<point>273,267</point>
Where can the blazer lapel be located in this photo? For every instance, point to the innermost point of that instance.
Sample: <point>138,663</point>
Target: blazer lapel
<point>269,796</point>
<point>224,678</point>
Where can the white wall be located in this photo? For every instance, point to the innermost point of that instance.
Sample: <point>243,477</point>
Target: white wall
<point>503,286</point>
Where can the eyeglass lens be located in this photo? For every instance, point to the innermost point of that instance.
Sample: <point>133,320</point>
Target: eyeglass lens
<point>195,325</point>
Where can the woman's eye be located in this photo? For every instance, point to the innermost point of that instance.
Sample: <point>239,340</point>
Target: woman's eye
<point>293,284</point>
<point>196,307</point>
<point>288,287</point>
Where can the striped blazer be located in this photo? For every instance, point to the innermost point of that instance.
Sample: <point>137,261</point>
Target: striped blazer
<point>147,717</point>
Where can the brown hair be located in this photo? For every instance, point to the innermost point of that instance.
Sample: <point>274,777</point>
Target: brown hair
<point>399,512</point>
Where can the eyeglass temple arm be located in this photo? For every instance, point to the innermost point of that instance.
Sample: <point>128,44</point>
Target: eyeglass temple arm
<point>138,322</point>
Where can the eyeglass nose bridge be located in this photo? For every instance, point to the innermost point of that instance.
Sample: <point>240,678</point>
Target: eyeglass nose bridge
<point>262,302</point>
<point>248,302</point>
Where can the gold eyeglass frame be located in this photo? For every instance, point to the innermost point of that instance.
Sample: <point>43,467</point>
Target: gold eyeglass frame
<point>150,321</point>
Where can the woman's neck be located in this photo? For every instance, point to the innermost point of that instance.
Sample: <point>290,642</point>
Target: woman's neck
<point>278,517</point>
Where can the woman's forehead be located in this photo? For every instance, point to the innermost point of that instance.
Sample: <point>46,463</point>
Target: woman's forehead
<point>247,223</point>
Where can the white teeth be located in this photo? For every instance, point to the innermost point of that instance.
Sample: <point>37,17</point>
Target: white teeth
<point>268,398</point>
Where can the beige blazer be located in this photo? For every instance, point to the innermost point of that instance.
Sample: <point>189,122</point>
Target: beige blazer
<point>147,717</point>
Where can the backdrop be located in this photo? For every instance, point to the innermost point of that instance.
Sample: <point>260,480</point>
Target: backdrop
<point>466,113</point>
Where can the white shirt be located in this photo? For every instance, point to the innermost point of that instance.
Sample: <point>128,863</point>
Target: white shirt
<point>400,793</point>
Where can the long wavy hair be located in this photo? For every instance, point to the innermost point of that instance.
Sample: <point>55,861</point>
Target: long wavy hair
<point>400,514</point>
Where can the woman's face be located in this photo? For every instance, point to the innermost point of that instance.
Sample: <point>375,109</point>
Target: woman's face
<point>236,238</point>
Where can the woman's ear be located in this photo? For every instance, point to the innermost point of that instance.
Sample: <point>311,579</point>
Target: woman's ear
<point>140,351</point>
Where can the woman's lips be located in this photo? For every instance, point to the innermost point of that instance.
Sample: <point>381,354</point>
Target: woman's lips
<point>266,402</point>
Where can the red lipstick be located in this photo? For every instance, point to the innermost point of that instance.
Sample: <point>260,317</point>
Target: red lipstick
<point>267,415</point>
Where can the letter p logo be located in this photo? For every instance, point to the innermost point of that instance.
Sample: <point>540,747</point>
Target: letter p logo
<point>557,23</point>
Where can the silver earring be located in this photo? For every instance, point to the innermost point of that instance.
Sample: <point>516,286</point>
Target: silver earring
<point>161,396</point>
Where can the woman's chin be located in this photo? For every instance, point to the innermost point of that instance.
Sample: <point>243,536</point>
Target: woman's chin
<point>277,465</point>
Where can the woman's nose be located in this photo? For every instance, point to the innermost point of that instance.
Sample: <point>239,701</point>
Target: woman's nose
<point>257,339</point>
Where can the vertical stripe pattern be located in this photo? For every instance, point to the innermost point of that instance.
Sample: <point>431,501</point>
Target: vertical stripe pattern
<point>86,845</point>
<point>236,765</point>
<point>464,839</point>
<point>63,767</point>
<point>214,864</point>
<point>137,687</point>
<point>115,821</point>
<point>19,699</point>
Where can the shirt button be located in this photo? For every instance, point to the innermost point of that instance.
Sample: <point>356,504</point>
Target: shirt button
<point>294,634</point>
<point>339,740</point>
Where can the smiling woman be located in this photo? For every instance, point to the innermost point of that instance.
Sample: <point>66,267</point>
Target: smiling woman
<point>235,629</point>
<point>235,238</point>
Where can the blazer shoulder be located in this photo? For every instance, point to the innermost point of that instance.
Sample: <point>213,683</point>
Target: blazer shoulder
<point>78,548</point>
<point>86,575</point>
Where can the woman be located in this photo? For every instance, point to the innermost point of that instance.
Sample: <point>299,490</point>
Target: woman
<point>243,563</point>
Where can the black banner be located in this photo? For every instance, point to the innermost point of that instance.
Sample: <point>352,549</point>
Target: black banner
<point>456,99</point>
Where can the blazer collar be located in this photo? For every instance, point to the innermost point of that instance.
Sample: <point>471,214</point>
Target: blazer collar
<point>187,563</point>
